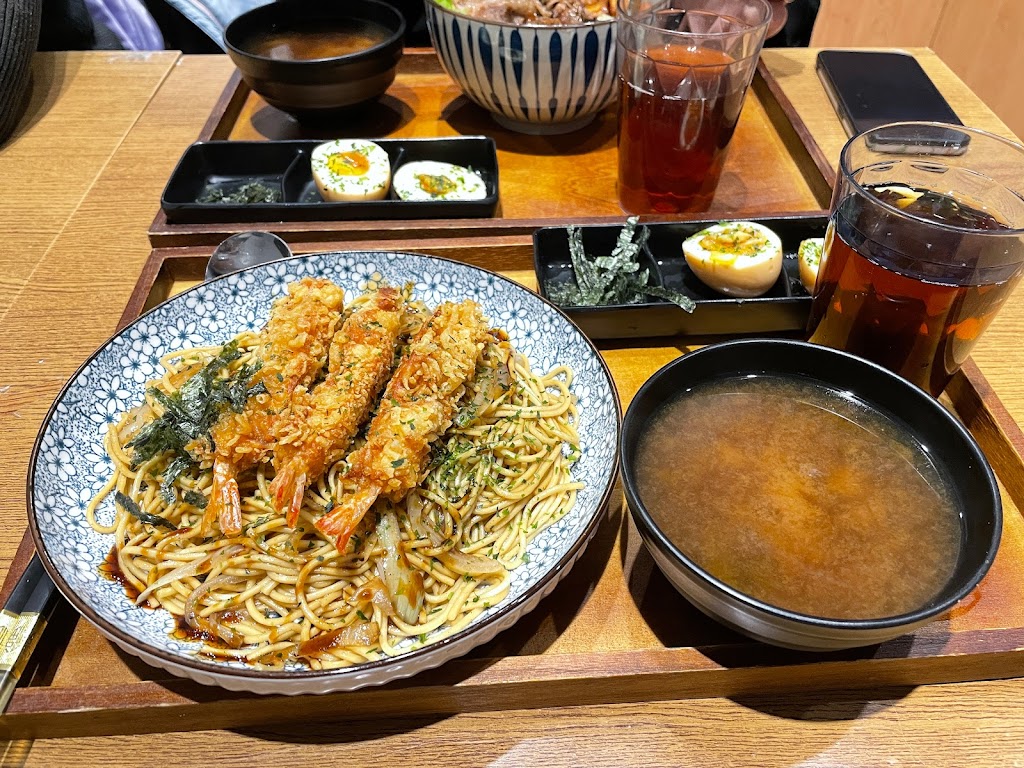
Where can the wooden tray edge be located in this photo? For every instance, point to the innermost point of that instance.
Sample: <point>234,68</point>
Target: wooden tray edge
<point>537,681</point>
<point>490,685</point>
<point>999,436</point>
<point>226,110</point>
<point>806,152</point>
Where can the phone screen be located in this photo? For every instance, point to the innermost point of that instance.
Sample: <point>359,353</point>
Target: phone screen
<point>869,89</point>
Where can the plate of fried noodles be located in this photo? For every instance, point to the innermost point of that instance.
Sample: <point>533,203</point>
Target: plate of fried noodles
<point>326,472</point>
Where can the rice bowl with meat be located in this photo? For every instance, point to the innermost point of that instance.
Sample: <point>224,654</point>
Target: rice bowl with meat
<point>538,66</point>
<point>548,12</point>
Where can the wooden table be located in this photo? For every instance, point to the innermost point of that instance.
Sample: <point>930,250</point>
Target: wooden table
<point>81,107</point>
<point>67,302</point>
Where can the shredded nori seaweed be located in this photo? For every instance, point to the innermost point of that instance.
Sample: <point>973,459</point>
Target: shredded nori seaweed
<point>195,498</point>
<point>136,511</point>
<point>190,413</point>
<point>253,192</point>
<point>613,279</point>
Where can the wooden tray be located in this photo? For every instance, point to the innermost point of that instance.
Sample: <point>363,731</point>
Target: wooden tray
<point>613,631</point>
<point>773,163</point>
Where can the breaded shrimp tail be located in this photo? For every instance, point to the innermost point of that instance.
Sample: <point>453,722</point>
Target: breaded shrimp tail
<point>323,423</point>
<point>417,408</point>
<point>293,348</point>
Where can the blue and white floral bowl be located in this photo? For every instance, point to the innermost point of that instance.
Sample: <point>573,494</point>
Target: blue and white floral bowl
<point>533,79</point>
<point>69,465</point>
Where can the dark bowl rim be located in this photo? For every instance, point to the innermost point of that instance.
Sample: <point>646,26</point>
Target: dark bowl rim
<point>653,536</point>
<point>513,25</point>
<point>342,11</point>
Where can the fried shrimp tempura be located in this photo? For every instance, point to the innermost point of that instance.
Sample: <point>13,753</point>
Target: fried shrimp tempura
<point>323,422</point>
<point>293,347</point>
<point>417,407</point>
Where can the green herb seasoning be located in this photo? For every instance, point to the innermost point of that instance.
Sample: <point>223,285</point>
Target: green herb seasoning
<point>253,192</point>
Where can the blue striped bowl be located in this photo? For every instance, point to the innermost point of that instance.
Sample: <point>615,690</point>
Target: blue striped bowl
<point>533,79</point>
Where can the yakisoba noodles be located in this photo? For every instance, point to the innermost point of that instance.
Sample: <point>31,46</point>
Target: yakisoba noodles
<point>418,566</point>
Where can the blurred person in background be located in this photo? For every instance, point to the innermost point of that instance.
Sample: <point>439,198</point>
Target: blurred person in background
<point>75,25</point>
<point>197,26</point>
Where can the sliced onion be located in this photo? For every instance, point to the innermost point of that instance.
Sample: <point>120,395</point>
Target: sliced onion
<point>374,592</point>
<point>204,564</point>
<point>506,372</point>
<point>473,565</point>
<point>211,626</point>
<point>414,508</point>
<point>492,382</point>
<point>132,422</point>
<point>403,584</point>
<point>363,633</point>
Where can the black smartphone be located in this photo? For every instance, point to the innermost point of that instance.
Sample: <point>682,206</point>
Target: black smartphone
<point>873,88</point>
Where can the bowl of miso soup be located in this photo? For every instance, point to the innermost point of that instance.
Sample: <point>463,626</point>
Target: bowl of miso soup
<point>806,497</point>
<point>317,59</point>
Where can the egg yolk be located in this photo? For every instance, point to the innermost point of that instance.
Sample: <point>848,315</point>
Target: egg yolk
<point>735,241</point>
<point>435,185</point>
<point>350,163</point>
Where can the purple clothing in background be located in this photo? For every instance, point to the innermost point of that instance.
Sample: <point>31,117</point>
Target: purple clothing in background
<point>212,16</point>
<point>130,21</point>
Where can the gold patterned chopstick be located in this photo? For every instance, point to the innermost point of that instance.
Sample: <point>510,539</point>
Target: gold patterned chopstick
<point>22,621</point>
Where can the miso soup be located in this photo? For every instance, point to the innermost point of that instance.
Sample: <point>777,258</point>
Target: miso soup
<point>317,42</point>
<point>801,497</point>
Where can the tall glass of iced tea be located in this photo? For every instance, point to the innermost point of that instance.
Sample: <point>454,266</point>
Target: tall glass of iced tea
<point>686,66</point>
<point>925,243</point>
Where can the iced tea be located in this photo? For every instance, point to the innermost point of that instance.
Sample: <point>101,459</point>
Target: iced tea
<point>674,133</point>
<point>685,69</point>
<point>918,314</point>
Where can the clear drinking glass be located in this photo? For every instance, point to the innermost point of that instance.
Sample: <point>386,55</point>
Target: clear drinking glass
<point>686,66</point>
<point>925,243</point>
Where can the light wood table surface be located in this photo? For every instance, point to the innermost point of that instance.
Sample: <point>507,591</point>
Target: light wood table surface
<point>81,107</point>
<point>70,303</point>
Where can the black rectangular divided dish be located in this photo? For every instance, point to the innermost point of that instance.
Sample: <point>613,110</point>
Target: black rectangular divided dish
<point>784,308</point>
<point>284,166</point>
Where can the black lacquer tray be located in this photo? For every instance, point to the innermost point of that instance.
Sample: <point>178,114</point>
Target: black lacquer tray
<point>285,167</point>
<point>784,308</point>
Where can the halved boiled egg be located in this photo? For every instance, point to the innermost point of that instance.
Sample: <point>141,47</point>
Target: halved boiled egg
<point>350,170</point>
<point>737,258</point>
<point>433,180</point>
<point>809,256</point>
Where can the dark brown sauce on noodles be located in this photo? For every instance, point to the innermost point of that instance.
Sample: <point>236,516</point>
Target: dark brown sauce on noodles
<point>111,570</point>
<point>182,630</point>
<point>800,497</point>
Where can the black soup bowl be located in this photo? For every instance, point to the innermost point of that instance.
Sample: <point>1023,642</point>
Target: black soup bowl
<point>949,445</point>
<point>332,75</point>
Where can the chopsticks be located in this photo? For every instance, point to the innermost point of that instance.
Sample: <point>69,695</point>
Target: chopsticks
<point>22,621</point>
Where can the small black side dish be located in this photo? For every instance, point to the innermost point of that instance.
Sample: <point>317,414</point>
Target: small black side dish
<point>285,165</point>
<point>317,89</point>
<point>784,308</point>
